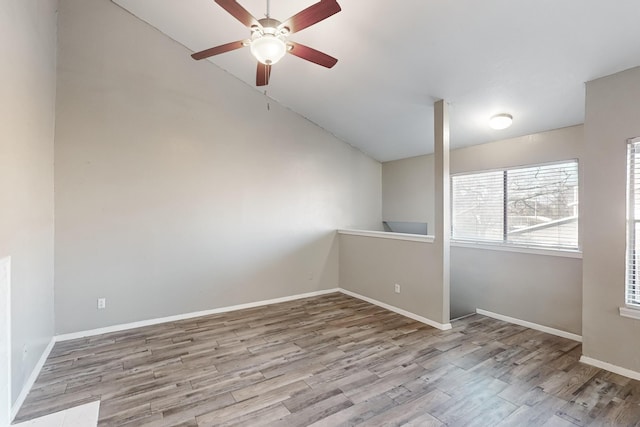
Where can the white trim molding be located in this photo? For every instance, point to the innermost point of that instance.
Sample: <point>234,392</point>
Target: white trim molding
<point>32,379</point>
<point>5,270</point>
<point>150,322</point>
<point>610,367</point>
<point>531,325</point>
<point>633,313</point>
<point>441,326</point>
<point>390,235</point>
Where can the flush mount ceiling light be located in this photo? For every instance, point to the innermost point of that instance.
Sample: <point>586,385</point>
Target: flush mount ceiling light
<point>500,121</point>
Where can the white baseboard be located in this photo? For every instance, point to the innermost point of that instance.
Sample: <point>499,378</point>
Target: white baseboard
<point>32,379</point>
<point>441,326</point>
<point>611,368</point>
<point>531,325</point>
<point>150,322</point>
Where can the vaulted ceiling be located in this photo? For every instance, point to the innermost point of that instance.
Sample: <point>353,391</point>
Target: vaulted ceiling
<point>523,57</point>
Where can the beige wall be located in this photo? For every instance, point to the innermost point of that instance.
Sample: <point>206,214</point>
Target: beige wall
<point>480,276</point>
<point>408,190</point>
<point>371,266</point>
<point>177,190</point>
<point>612,116</point>
<point>541,289</point>
<point>27,94</point>
<point>543,147</point>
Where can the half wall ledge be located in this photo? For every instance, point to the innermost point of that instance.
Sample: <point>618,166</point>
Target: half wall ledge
<point>389,235</point>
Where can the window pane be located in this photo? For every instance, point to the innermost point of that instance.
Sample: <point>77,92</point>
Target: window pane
<point>477,206</point>
<point>633,223</point>
<point>542,205</point>
<point>633,287</point>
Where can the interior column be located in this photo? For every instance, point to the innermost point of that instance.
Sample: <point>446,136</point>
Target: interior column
<point>442,229</point>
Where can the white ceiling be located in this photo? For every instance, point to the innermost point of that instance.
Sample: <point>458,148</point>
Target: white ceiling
<point>529,58</point>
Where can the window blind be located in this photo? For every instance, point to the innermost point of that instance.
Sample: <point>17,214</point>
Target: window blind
<point>542,205</point>
<point>532,206</point>
<point>632,292</point>
<point>477,206</point>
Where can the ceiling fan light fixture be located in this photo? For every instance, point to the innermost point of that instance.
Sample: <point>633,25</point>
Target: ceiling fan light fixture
<point>268,48</point>
<point>500,121</point>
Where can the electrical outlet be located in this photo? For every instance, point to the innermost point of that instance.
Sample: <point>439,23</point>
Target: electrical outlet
<point>396,288</point>
<point>102,303</point>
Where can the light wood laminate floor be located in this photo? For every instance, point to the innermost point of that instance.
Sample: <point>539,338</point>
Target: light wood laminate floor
<point>330,361</point>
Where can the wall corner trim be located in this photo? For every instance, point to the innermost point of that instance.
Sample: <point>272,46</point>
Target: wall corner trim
<point>610,367</point>
<point>32,379</point>
<point>531,325</point>
<point>441,326</point>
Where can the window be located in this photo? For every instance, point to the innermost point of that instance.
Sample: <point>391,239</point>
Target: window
<point>632,294</point>
<point>530,206</point>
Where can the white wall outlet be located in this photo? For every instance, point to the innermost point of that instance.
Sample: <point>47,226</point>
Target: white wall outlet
<point>396,288</point>
<point>102,303</point>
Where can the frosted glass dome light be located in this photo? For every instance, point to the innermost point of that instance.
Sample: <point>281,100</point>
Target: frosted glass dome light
<point>268,48</point>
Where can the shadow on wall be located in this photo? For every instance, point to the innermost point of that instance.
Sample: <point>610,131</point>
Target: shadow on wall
<point>405,227</point>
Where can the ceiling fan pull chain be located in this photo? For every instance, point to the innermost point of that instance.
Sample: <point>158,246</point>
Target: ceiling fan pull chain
<point>267,98</point>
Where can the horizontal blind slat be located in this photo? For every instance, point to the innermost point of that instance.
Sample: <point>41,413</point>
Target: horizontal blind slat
<point>541,207</point>
<point>632,288</point>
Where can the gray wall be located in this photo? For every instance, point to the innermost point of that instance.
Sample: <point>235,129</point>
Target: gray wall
<point>479,276</point>
<point>408,190</point>
<point>27,94</point>
<point>612,116</point>
<point>542,289</point>
<point>371,266</point>
<point>177,190</point>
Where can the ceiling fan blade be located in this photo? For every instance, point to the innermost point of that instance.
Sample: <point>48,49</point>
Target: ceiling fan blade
<point>311,15</point>
<point>238,12</point>
<point>312,55</point>
<point>263,74</point>
<point>218,50</point>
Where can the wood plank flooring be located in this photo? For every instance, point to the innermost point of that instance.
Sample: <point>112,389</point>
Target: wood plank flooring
<point>331,361</point>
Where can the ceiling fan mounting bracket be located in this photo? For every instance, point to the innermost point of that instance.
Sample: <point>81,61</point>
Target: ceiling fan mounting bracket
<point>269,26</point>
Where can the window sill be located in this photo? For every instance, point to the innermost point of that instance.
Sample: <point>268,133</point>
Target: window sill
<point>566,253</point>
<point>390,235</point>
<point>633,313</point>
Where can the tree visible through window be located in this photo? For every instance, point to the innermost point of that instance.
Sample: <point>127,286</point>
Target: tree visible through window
<point>536,205</point>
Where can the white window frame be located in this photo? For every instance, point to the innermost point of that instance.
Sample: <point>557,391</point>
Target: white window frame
<point>631,274</point>
<point>541,249</point>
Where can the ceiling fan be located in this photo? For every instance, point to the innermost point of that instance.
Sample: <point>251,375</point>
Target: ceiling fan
<point>268,41</point>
